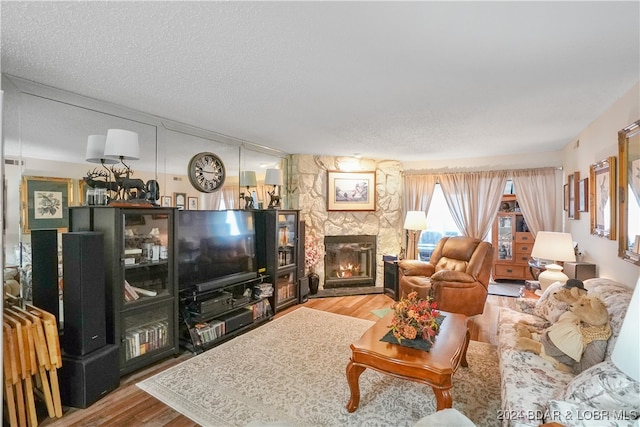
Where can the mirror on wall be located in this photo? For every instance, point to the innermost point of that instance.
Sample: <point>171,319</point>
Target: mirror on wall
<point>259,161</point>
<point>45,135</point>
<point>629,191</point>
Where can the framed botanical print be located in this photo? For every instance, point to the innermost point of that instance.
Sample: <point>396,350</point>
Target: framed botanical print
<point>602,195</point>
<point>192,203</point>
<point>583,195</point>
<point>573,203</point>
<point>351,191</point>
<point>45,203</point>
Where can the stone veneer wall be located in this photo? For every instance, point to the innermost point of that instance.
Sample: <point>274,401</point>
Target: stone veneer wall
<point>308,193</point>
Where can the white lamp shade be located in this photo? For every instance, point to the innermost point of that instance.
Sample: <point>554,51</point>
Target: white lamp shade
<point>95,150</point>
<point>626,353</point>
<point>274,177</point>
<point>415,220</point>
<point>553,246</point>
<point>122,144</point>
<point>248,179</point>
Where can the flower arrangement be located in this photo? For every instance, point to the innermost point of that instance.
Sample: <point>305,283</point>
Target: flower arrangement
<point>415,318</point>
<point>311,252</point>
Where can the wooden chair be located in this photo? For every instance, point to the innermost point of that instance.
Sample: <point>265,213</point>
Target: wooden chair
<point>21,336</point>
<point>34,348</point>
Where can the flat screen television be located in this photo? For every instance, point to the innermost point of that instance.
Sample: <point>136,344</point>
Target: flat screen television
<point>215,248</point>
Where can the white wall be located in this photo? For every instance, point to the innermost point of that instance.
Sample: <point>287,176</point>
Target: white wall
<point>597,142</point>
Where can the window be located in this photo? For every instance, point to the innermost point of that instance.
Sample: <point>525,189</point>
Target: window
<point>439,224</point>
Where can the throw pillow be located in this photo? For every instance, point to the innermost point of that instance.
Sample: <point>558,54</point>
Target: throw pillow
<point>549,307</point>
<point>572,414</point>
<point>605,387</point>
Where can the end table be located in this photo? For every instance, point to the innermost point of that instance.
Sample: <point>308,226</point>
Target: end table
<point>391,278</point>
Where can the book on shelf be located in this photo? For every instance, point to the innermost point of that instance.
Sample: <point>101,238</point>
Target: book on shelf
<point>129,293</point>
<point>145,292</point>
<point>144,338</point>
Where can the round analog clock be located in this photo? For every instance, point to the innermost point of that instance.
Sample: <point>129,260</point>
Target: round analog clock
<point>206,172</point>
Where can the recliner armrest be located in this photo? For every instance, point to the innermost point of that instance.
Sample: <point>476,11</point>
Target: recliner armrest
<point>452,276</point>
<point>414,267</point>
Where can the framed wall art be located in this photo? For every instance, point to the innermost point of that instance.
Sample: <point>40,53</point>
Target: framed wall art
<point>573,211</point>
<point>192,203</point>
<point>166,201</point>
<point>351,191</point>
<point>629,193</point>
<point>45,203</point>
<point>179,200</point>
<point>602,195</point>
<point>583,195</point>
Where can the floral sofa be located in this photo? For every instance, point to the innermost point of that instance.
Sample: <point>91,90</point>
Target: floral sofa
<point>534,392</point>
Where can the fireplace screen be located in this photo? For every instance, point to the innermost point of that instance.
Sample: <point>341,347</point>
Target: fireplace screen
<point>349,261</point>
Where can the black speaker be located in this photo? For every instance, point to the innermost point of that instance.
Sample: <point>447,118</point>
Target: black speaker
<point>303,290</point>
<point>44,271</point>
<point>303,280</point>
<point>84,380</point>
<point>84,292</point>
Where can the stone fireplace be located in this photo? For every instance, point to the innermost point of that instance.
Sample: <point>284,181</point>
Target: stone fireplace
<point>350,261</point>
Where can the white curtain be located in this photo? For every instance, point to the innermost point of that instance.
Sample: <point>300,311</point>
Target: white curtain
<point>230,195</point>
<point>418,191</point>
<point>473,199</point>
<point>536,191</point>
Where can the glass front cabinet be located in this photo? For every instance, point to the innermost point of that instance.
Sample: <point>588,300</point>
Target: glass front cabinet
<point>278,253</point>
<point>512,242</point>
<point>140,280</point>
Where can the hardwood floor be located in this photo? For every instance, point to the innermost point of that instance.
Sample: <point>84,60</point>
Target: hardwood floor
<point>130,406</point>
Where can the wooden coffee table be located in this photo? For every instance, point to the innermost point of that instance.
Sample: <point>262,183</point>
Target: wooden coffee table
<point>434,368</point>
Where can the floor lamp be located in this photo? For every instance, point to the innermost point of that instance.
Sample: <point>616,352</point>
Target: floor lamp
<point>414,223</point>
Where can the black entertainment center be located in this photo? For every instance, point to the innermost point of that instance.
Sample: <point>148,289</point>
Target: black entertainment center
<point>210,317</point>
<point>224,272</point>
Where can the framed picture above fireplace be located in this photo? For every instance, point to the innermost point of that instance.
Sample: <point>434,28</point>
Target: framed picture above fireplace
<point>351,191</point>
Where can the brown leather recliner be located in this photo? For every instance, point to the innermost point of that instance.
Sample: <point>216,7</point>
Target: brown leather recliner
<point>456,276</point>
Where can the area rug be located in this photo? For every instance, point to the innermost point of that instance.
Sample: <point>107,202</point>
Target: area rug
<point>291,372</point>
<point>505,289</point>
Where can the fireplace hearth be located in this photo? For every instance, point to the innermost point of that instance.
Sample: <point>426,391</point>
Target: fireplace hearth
<point>350,261</point>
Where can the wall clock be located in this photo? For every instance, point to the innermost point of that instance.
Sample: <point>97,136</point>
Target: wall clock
<point>206,172</point>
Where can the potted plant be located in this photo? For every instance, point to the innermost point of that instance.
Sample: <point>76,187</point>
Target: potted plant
<point>311,259</point>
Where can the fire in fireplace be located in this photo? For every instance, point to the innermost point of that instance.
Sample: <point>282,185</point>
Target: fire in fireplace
<point>350,261</point>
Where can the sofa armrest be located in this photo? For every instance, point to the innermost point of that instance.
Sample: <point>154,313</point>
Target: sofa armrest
<point>413,267</point>
<point>452,276</point>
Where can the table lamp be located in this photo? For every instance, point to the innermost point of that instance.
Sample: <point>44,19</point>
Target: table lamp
<point>122,145</point>
<point>554,246</point>
<point>95,150</point>
<point>626,353</point>
<point>95,154</point>
<point>274,177</point>
<point>414,222</point>
<point>248,179</point>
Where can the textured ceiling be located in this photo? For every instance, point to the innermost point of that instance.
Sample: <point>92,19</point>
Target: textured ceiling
<point>394,80</point>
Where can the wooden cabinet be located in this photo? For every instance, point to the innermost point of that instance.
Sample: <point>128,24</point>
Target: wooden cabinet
<point>278,243</point>
<point>512,242</point>
<point>141,298</point>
